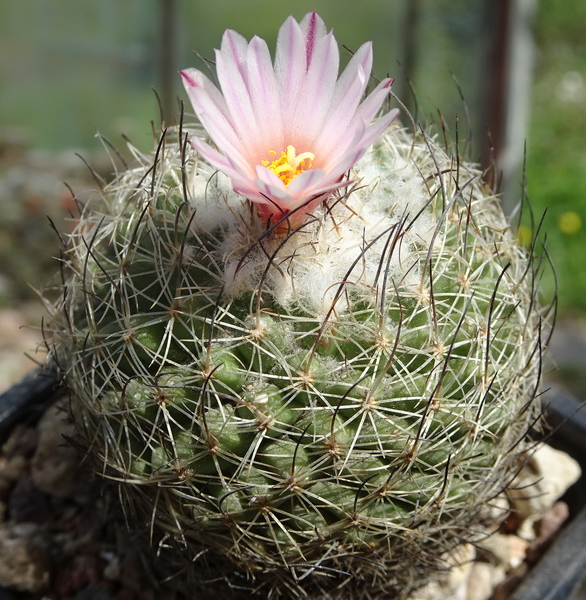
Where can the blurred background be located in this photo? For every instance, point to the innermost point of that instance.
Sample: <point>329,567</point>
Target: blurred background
<point>503,73</point>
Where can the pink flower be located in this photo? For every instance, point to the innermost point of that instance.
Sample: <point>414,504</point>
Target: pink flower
<point>286,133</point>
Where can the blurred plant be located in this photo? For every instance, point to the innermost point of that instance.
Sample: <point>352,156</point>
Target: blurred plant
<point>556,157</point>
<point>33,192</point>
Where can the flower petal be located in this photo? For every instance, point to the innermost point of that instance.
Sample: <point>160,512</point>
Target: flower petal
<point>359,146</point>
<point>211,110</point>
<point>305,182</point>
<point>232,74</point>
<point>361,60</point>
<point>318,87</point>
<point>319,84</point>
<point>309,101</point>
<point>266,175</point>
<point>224,164</point>
<point>346,98</point>
<point>374,100</point>
<point>217,159</point>
<point>264,93</point>
<point>272,192</point>
<point>313,29</point>
<point>316,195</point>
<point>290,63</point>
<point>376,128</point>
<point>364,114</point>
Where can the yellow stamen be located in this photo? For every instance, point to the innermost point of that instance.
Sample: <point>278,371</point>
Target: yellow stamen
<point>289,164</point>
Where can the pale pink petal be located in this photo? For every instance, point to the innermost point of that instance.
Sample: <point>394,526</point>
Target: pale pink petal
<point>374,100</point>
<point>364,114</point>
<point>345,163</point>
<point>272,191</point>
<point>318,194</point>
<point>347,145</point>
<point>297,102</point>
<point>211,110</point>
<point>339,119</point>
<point>318,87</point>
<point>214,157</point>
<point>240,180</point>
<point>248,189</point>
<point>265,96</point>
<point>305,181</point>
<point>233,48</point>
<point>195,80</point>
<point>290,67</point>
<point>313,29</point>
<point>268,177</point>
<point>232,73</point>
<point>235,163</point>
<point>347,95</point>
<point>375,129</point>
<point>324,187</point>
<point>363,139</point>
<point>361,61</point>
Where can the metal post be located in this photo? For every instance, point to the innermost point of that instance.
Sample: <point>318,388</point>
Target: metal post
<point>517,100</point>
<point>168,73</point>
<point>507,95</point>
<point>409,52</point>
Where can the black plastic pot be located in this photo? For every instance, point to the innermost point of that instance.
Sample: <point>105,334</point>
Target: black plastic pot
<point>562,569</point>
<point>27,399</point>
<point>556,576</point>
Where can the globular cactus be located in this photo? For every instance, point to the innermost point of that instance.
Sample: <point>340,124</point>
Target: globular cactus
<point>323,404</point>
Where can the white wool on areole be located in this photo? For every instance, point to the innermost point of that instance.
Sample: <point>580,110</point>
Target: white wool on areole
<point>343,244</point>
<point>339,249</point>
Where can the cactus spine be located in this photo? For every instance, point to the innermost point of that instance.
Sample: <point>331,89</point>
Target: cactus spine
<point>320,411</point>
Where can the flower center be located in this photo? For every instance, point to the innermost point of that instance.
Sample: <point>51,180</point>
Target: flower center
<point>289,164</point>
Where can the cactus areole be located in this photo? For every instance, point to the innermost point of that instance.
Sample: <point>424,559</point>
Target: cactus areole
<point>308,352</point>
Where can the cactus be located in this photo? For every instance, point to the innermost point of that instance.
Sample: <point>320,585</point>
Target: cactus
<point>323,406</point>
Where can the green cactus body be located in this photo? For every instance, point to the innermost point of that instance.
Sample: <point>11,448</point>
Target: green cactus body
<point>342,402</point>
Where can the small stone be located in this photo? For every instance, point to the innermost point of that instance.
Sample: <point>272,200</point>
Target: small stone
<point>125,594</point>
<point>13,468</point>
<point>497,509</point>
<point>510,583</point>
<point>548,474</point>
<point>111,571</point>
<point>552,521</point>
<point>5,487</point>
<point>484,577</point>
<point>94,592</point>
<point>28,504</point>
<point>16,454</point>
<point>22,442</point>
<point>517,551</point>
<point>79,573</point>
<point>23,566</point>
<point>548,527</point>
<point>455,585</point>
<point>55,462</point>
<point>508,550</point>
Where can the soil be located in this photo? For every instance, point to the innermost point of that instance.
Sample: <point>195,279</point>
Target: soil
<point>62,535</point>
